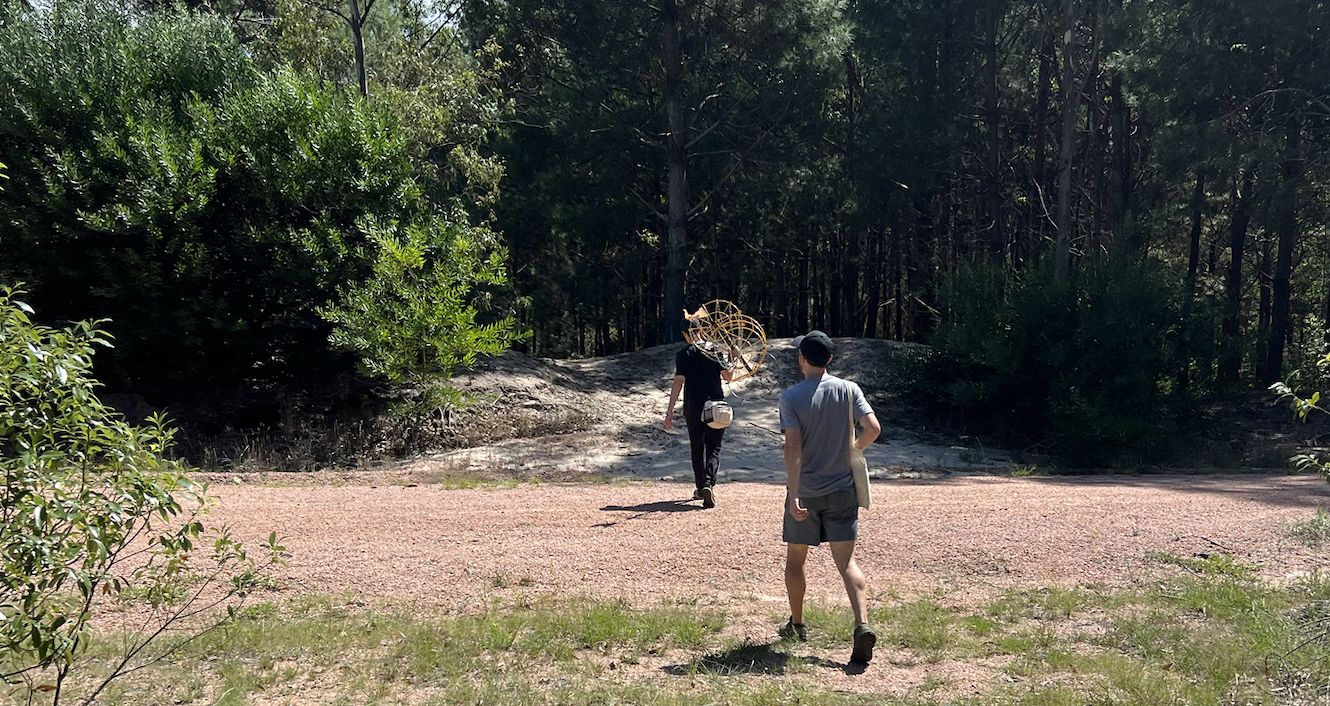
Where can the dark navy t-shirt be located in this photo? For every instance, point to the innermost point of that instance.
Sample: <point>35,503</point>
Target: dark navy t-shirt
<point>701,378</point>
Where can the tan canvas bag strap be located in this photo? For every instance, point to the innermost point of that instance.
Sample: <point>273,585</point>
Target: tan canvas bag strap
<point>849,411</point>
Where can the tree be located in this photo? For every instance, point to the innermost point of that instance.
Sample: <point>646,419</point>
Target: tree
<point>415,319</point>
<point>661,134</point>
<point>210,204</point>
<point>1070,98</point>
<point>93,506</point>
<point>355,18</point>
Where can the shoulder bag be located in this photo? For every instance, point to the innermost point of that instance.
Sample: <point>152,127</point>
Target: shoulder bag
<point>859,465</point>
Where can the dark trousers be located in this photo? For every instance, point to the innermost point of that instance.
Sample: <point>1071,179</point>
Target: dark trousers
<point>705,443</point>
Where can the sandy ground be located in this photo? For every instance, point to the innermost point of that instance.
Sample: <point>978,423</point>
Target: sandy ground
<point>624,398</point>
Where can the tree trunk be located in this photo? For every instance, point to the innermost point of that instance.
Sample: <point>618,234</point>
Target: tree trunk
<point>358,40</point>
<point>1040,166</point>
<point>676,160</point>
<point>1231,362</point>
<point>1263,280</point>
<point>997,243</point>
<point>1121,186</point>
<point>1193,259</point>
<point>801,324</point>
<point>877,264</point>
<point>1286,231</point>
<point>835,282</point>
<point>896,276</point>
<point>1194,249</point>
<point>1069,100</point>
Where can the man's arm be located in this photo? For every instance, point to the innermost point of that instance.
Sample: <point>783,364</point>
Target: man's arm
<point>674,397</point>
<point>793,466</point>
<point>871,430</point>
<point>727,375</point>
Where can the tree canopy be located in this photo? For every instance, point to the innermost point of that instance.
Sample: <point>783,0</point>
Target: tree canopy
<point>223,185</point>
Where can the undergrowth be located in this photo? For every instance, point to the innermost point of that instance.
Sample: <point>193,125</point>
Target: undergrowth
<point>1205,631</point>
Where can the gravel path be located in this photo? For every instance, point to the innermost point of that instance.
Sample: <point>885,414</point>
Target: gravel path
<point>644,541</point>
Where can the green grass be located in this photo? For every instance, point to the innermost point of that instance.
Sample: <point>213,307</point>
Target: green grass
<point>1314,531</point>
<point>1205,632</point>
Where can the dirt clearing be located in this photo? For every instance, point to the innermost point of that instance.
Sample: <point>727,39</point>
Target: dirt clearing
<point>645,541</point>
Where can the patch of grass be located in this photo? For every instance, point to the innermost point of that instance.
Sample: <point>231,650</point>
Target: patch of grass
<point>1050,603</point>
<point>979,626</point>
<point>1208,635</point>
<point>922,626</point>
<point>1205,564</point>
<point>1313,532</point>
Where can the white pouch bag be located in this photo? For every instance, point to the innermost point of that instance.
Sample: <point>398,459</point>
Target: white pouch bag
<point>717,414</point>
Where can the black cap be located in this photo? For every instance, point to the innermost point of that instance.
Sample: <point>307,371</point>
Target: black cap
<point>816,347</point>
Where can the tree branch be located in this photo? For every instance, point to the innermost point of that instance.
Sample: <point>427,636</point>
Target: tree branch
<point>651,208</point>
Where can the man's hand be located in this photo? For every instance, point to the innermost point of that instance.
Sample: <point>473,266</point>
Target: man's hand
<point>669,422</point>
<point>797,510</point>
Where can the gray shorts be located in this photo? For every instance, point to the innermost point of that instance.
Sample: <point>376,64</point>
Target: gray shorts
<point>831,518</point>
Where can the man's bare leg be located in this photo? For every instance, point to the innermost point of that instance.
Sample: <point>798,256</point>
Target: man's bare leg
<point>795,582</point>
<point>856,586</point>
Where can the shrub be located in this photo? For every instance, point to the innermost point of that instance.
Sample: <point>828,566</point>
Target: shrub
<point>92,506</point>
<point>1303,407</point>
<point>1086,368</point>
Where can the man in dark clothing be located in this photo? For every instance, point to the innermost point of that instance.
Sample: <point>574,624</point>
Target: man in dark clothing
<point>699,378</point>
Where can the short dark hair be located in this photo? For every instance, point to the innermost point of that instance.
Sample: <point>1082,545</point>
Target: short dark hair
<point>816,347</point>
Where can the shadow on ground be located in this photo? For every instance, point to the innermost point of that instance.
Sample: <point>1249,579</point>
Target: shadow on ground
<point>753,658</point>
<point>644,509</point>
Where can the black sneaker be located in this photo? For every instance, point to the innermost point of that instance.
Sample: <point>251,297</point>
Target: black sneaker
<point>864,641</point>
<point>708,497</point>
<point>697,494</point>
<point>793,631</point>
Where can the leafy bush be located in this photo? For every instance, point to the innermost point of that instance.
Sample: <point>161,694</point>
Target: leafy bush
<point>415,318</point>
<point>1303,407</point>
<point>161,179</point>
<point>1087,369</point>
<point>90,506</point>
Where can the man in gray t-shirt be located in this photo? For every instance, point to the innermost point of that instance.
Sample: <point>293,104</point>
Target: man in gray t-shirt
<point>817,417</point>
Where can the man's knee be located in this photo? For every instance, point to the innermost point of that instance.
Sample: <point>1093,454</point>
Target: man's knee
<point>795,556</point>
<point>843,554</point>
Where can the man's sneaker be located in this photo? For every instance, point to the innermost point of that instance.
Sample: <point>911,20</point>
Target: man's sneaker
<point>697,494</point>
<point>708,497</point>
<point>864,641</point>
<point>793,631</point>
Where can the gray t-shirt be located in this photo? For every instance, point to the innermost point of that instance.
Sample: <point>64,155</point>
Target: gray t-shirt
<point>819,408</point>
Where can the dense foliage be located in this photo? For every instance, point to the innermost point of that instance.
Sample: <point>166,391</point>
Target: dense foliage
<point>209,208</point>
<point>213,180</point>
<point>1082,369</point>
<point>911,142</point>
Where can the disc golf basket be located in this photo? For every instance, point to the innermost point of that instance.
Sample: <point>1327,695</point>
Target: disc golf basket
<point>731,337</point>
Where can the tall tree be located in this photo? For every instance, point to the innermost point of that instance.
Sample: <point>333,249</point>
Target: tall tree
<point>1070,98</point>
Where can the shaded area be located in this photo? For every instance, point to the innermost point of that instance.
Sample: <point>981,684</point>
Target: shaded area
<point>1253,487</point>
<point>644,509</point>
<point>748,658</point>
<point>658,506</point>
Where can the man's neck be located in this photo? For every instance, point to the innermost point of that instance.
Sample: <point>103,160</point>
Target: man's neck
<point>813,373</point>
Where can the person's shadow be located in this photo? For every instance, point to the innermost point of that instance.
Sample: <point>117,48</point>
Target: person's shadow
<point>754,658</point>
<point>644,509</point>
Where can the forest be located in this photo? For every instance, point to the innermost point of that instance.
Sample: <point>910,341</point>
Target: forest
<point>1097,213</point>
